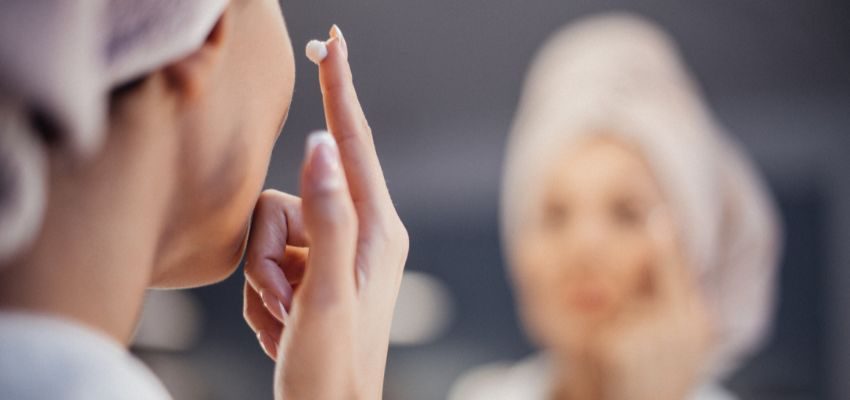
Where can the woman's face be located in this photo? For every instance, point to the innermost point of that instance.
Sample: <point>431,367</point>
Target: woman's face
<point>583,255</point>
<point>227,138</point>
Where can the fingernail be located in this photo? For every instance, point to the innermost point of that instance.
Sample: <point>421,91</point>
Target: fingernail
<point>336,33</point>
<point>266,343</point>
<point>274,305</point>
<point>283,314</point>
<point>323,161</point>
<point>316,51</point>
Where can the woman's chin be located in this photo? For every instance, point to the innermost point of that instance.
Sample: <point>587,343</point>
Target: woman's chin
<point>194,275</point>
<point>576,333</point>
<point>200,269</point>
<point>205,266</point>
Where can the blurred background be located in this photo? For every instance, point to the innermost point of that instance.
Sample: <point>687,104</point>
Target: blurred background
<point>439,81</point>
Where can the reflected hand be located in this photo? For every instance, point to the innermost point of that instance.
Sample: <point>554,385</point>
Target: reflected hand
<point>657,348</point>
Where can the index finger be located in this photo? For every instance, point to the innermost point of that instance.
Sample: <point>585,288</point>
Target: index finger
<point>277,224</point>
<point>346,121</point>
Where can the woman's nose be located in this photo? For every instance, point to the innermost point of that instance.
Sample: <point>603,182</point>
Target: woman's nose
<point>586,245</point>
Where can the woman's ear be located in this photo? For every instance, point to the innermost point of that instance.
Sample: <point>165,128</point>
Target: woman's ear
<point>191,76</point>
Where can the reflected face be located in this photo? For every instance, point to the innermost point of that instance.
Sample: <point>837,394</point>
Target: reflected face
<point>227,140</point>
<point>584,254</point>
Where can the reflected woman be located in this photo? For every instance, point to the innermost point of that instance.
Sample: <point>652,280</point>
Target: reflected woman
<point>642,243</point>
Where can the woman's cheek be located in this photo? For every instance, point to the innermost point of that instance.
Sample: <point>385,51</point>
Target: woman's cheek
<point>534,276</point>
<point>545,274</point>
<point>634,274</point>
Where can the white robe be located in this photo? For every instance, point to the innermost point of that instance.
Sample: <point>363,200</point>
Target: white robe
<point>45,357</point>
<point>530,379</point>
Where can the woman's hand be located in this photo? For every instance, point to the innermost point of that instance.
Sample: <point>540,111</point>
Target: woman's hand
<point>323,271</point>
<point>656,349</point>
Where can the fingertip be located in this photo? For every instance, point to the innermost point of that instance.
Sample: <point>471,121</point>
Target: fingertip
<point>275,305</point>
<point>276,223</point>
<point>335,72</point>
<point>267,344</point>
<point>316,138</point>
<point>317,51</point>
<point>336,34</point>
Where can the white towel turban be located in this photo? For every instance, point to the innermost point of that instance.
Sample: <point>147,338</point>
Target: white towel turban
<point>620,75</point>
<point>60,59</point>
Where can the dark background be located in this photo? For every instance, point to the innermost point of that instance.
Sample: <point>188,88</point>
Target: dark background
<point>439,81</point>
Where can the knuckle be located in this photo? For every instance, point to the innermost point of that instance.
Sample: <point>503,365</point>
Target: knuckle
<point>265,194</point>
<point>339,85</point>
<point>404,248</point>
<point>337,225</point>
<point>271,206</point>
<point>351,138</point>
<point>400,243</point>
<point>263,204</point>
<point>391,230</point>
<point>404,238</point>
<point>393,237</point>
<point>341,217</point>
<point>365,127</point>
<point>332,86</point>
<point>382,232</point>
<point>400,235</point>
<point>267,198</point>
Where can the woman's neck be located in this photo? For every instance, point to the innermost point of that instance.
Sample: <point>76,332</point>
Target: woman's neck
<point>96,250</point>
<point>83,273</point>
<point>575,379</point>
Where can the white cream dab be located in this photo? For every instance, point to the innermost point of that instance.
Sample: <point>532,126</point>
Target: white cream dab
<point>317,51</point>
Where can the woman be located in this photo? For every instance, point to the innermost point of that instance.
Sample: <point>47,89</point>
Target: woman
<point>136,135</point>
<point>642,243</point>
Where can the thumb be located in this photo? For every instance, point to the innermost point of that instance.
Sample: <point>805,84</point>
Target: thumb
<point>319,333</point>
<point>331,223</point>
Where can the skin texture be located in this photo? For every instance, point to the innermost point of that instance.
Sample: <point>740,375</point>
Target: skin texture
<point>228,129</point>
<point>345,249</point>
<point>168,200</point>
<point>601,281</point>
